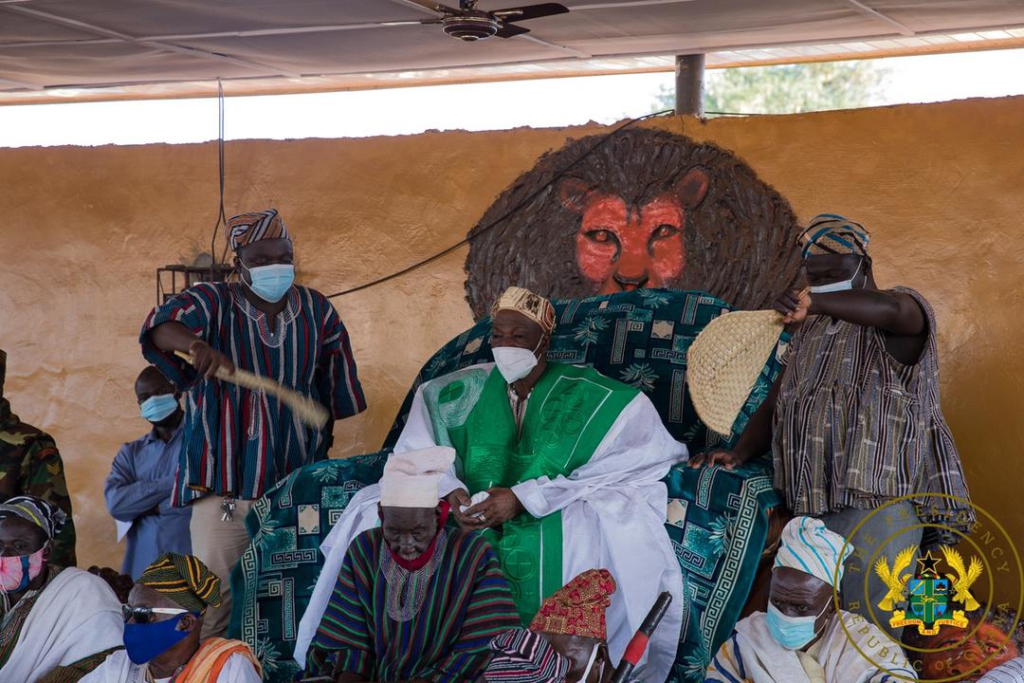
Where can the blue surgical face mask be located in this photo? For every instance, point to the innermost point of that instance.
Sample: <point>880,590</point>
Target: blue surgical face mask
<point>792,633</point>
<point>841,286</point>
<point>159,407</point>
<point>144,642</point>
<point>272,282</point>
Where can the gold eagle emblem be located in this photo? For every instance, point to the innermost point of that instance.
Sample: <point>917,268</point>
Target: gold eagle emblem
<point>962,580</point>
<point>892,578</point>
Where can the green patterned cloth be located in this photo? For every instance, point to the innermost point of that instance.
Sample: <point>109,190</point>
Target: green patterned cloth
<point>30,465</point>
<point>718,520</point>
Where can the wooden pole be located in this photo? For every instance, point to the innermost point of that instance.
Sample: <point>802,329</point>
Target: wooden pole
<point>690,85</point>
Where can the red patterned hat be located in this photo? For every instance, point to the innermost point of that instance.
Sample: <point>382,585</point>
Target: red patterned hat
<point>578,608</point>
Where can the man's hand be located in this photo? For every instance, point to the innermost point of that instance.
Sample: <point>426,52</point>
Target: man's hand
<point>456,499</point>
<point>206,359</point>
<point>501,506</point>
<point>793,305</point>
<point>727,459</point>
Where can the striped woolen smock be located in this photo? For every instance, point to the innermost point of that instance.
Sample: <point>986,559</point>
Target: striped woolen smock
<point>468,603</point>
<point>855,428</point>
<point>242,442</point>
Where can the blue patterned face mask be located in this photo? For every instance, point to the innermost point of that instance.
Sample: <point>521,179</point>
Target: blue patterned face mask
<point>157,408</point>
<point>792,633</point>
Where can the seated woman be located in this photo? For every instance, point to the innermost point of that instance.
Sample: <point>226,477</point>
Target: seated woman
<point>162,622</point>
<point>52,616</point>
<point>413,601</point>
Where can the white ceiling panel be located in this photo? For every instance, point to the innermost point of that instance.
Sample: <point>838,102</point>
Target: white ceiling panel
<point>111,48</point>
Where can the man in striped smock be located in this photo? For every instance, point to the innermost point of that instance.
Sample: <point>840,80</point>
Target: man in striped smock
<point>238,443</point>
<point>854,422</point>
<point>413,601</point>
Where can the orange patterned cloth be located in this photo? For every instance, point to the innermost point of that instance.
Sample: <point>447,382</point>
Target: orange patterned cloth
<point>578,608</point>
<point>246,228</point>
<point>211,658</point>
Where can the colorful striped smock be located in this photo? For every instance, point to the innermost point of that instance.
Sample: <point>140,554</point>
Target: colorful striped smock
<point>467,604</point>
<point>242,442</point>
<point>855,428</point>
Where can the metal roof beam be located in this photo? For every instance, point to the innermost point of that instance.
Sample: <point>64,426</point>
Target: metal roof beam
<point>864,9</point>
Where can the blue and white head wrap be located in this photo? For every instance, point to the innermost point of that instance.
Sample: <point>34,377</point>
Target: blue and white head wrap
<point>830,233</point>
<point>811,548</point>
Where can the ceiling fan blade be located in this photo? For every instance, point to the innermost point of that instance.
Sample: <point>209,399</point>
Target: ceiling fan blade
<point>511,31</point>
<point>545,9</point>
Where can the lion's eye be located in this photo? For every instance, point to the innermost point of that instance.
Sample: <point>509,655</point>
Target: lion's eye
<point>664,231</point>
<point>600,236</point>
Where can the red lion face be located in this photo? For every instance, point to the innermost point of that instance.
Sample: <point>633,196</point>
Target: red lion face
<point>622,248</point>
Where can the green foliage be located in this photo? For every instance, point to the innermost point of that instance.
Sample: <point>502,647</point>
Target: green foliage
<point>788,89</point>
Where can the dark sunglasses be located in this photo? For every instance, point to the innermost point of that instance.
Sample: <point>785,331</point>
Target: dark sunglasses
<point>144,615</point>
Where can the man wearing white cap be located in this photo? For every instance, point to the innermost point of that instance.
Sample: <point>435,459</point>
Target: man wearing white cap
<point>803,638</point>
<point>413,601</point>
<point>562,469</point>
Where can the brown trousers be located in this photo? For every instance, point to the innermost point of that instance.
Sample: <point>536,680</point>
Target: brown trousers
<point>219,545</point>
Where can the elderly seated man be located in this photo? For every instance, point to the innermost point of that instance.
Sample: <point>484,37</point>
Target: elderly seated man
<point>163,620</point>
<point>804,638</point>
<point>567,639</point>
<point>413,601</point>
<point>52,616</point>
<point>561,467</point>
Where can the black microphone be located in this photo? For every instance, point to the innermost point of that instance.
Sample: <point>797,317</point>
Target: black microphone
<point>638,645</point>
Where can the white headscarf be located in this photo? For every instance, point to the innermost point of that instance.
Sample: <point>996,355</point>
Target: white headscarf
<point>808,546</point>
<point>411,479</point>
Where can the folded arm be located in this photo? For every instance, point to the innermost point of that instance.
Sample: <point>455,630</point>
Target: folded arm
<point>127,498</point>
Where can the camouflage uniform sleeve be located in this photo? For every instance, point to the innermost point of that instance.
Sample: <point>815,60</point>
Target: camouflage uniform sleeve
<point>42,476</point>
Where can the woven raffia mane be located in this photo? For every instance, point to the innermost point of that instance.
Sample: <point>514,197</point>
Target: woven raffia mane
<point>740,240</point>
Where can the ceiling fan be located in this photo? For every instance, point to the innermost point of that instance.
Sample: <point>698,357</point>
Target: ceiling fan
<point>469,23</point>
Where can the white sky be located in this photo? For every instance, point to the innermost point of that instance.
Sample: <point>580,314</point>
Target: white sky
<point>486,106</point>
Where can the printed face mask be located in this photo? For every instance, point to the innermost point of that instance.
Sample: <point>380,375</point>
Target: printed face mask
<point>144,642</point>
<point>18,571</point>
<point>841,286</point>
<point>792,633</point>
<point>158,408</point>
<point>272,282</point>
<point>515,363</point>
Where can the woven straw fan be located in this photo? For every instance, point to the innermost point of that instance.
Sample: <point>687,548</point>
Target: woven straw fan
<point>306,409</point>
<point>724,362</point>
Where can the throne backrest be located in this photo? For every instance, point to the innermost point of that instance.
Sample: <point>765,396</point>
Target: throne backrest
<point>640,338</point>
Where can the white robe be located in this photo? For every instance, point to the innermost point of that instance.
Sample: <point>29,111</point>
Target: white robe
<point>77,615</point>
<point>758,658</point>
<point>119,669</point>
<point>613,517</point>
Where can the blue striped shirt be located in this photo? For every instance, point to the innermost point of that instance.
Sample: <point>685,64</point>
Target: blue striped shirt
<point>242,442</point>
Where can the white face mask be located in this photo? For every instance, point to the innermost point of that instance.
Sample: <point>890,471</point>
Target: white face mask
<point>515,363</point>
<point>841,286</point>
<point>590,664</point>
